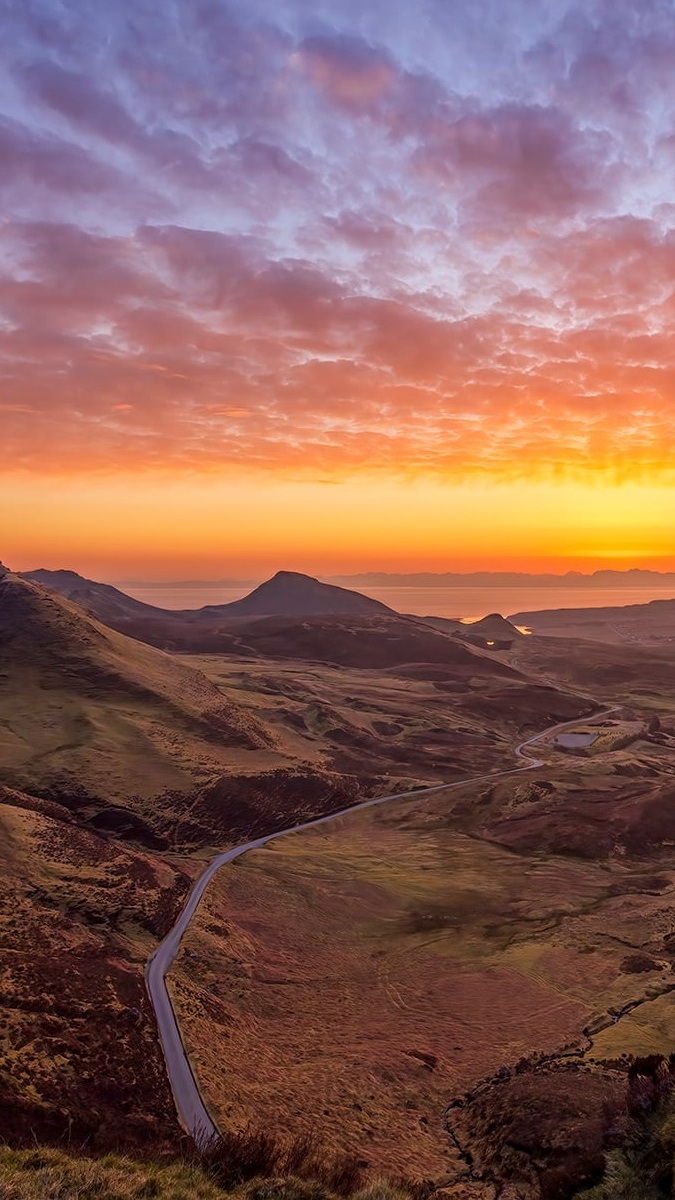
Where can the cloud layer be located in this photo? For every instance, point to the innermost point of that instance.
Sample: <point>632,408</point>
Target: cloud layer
<point>423,237</point>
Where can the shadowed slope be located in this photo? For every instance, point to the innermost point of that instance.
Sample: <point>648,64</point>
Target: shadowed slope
<point>291,594</point>
<point>287,593</point>
<point>103,601</point>
<point>376,642</point>
<point>90,714</point>
<point>77,1043</point>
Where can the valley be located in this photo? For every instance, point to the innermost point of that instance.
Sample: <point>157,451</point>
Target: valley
<point>438,954</point>
<point>384,981</point>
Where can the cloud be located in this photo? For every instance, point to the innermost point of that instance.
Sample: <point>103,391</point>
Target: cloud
<point>36,160</point>
<point>352,74</point>
<point>185,348</point>
<point>431,240</point>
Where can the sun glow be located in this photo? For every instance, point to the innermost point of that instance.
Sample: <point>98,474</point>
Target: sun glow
<point>158,526</point>
<point>398,316</point>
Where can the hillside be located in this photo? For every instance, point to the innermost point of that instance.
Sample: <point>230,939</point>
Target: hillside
<point>103,601</point>
<point>607,670</point>
<point>290,594</point>
<point>462,945</point>
<point>78,913</point>
<point>94,718</point>
<point>142,744</point>
<point>113,753</point>
<point>374,642</point>
<point>631,623</point>
<point>287,594</point>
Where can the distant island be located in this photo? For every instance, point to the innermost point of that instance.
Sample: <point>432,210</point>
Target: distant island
<point>635,577</point>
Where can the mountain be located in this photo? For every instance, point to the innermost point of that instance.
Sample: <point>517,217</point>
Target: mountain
<point>290,594</point>
<point>287,594</point>
<point>208,630</point>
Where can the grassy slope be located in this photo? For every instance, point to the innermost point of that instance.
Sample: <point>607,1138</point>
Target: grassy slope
<point>322,970</point>
<point>93,718</point>
<point>91,715</point>
<point>623,624</point>
<point>40,1174</point>
<point>88,712</point>
<point>47,1174</point>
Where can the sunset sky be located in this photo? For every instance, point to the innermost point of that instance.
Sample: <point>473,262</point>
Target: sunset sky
<point>337,285</point>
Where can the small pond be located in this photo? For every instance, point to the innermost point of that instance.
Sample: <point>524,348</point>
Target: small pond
<point>575,741</point>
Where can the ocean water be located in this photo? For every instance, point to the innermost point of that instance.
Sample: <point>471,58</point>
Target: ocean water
<point>468,603</point>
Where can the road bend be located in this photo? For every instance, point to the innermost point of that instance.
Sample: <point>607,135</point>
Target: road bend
<point>192,1112</point>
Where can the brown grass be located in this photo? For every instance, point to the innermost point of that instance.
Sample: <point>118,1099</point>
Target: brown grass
<point>359,976</point>
<point>78,916</point>
<point>237,1157</point>
<point>52,1174</point>
<point>46,1174</point>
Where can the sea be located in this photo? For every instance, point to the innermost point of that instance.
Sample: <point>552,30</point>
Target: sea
<point>463,603</point>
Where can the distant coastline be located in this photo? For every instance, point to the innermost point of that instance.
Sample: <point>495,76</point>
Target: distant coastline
<point>465,600</point>
<point>634,577</point>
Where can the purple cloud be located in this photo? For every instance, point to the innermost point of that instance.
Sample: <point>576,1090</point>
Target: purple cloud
<point>442,231</point>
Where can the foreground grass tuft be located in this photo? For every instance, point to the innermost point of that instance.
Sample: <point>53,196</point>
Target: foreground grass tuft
<point>49,1174</point>
<point>253,1154</point>
<point>44,1174</point>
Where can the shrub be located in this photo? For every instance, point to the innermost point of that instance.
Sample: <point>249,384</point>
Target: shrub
<point>235,1158</point>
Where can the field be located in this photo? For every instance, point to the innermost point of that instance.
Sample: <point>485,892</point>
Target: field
<point>412,725</point>
<point>359,977</point>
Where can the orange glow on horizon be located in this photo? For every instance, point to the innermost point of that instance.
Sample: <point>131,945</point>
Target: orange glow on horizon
<point>155,527</point>
<point>372,293</point>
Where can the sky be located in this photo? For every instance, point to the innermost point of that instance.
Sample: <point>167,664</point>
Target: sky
<point>336,286</point>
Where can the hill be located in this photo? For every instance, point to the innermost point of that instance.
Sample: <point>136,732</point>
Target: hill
<point>142,744</point>
<point>290,594</point>
<point>207,630</point>
<point>93,718</point>
<point>491,632</point>
<point>103,601</point>
<point>375,642</point>
<point>287,593</point>
<point>494,626</point>
<point>652,622</point>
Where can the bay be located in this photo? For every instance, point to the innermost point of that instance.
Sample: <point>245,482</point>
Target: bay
<point>467,603</point>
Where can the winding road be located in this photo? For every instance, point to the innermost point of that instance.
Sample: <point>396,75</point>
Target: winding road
<point>191,1109</point>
